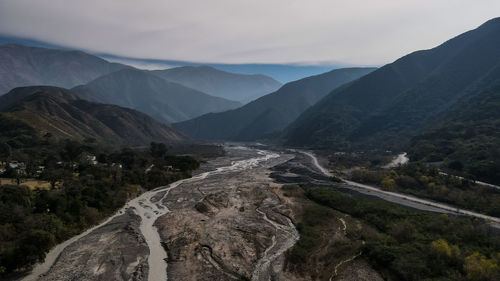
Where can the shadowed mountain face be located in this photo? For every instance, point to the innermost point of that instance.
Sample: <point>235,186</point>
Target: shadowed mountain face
<point>467,137</point>
<point>397,101</point>
<point>165,101</point>
<point>268,115</point>
<point>231,86</point>
<point>65,115</point>
<point>26,66</point>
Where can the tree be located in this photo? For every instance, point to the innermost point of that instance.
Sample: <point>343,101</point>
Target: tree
<point>158,150</point>
<point>14,173</point>
<point>71,151</point>
<point>5,150</point>
<point>403,231</point>
<point>456,165</point>
<point>47,137</point>
<point>441,250</point>
<point>479,268</point>
<point>53,176</point>
<point>388,183</point>
<point>35,244</point>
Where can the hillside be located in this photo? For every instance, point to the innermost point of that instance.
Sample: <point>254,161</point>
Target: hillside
<point>231,86</point>
<point>268,115</point>
<point>27,66</point>
<point>39,110</point>
<point>387,107</point>
<point>165,101</point>
<point>467,138</point>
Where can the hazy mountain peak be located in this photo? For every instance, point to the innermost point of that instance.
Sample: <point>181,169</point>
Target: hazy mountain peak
<point>27,66</point>
<point>269,114</point>
<point>141,90</point>
<point>232,86</point>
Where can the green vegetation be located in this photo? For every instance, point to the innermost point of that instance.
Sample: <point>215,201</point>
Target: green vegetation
<point>426,181</point>
<point>87,184</point>
<point>407,244</point>
<point>386,108</point>
<point>313,216</point>
<point>467,141</point>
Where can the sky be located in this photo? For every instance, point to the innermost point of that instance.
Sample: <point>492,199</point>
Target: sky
<point>305,32</point>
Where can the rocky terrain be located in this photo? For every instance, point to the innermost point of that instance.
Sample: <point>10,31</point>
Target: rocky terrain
<point>228,226</point>
<point>231,221</point>
<point>115,251</point>
<point>223,224</point>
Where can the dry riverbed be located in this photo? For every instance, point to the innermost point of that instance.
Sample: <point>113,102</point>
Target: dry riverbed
<point>222,224</point>
<point>231,221</point>
<point>230,226</point>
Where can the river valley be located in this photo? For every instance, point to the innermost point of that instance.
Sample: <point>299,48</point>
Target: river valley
<point>228,222</point>
<point>224,223</point>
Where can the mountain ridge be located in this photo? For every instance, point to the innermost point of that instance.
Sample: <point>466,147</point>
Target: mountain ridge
<point>268,115</point>
<point>26,66</point>
<point>163,100</point>
<point>215,82</point>
<point>65,114</point>
<point>394,102</point>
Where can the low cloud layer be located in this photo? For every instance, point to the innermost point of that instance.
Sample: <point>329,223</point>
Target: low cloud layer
<point>358,32</point>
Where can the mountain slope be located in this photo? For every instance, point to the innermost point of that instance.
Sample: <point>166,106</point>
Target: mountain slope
<point>165,101</point>
<point>388,106</point>
<point>467,137</point>
<point>26,66</point>
<point>269,114</point>
<point>64,114</point>
<point>231,86</point>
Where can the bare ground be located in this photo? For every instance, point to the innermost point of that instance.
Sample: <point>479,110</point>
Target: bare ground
<point>222,227</point>
<point>234,225</point>
<point>115,251</point>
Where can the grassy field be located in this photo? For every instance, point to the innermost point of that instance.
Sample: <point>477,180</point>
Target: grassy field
<point>31,183</point>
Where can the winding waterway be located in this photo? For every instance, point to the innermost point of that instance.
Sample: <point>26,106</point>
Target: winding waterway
<point>149,207</point>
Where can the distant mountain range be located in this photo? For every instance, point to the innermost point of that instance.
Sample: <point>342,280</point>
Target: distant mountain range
<point>165,101</point>
<point>101,81</point>
<point>439,105</point>
<point>268,115</point>
<point>387,107</point>
<point>239,87</point>
<point>38,110</point>
<point>283,73</point>
<point>28,66</point>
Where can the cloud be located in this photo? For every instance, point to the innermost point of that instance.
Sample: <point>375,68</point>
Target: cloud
<point>141,64</point>
<point>364,32</point>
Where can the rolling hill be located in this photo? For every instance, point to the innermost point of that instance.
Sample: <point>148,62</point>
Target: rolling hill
<point>385,108</point>
<point>64,114</point>
<point>27,66</point>
<point>268,115</point>
<point>231,86</point>
<point>165,101</point>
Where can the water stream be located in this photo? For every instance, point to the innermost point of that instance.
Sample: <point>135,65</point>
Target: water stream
<point>149,208</point>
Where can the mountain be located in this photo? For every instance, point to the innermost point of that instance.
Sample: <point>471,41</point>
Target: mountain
<point>64,114</point>
<point>231,86</point>
<point>269,114</point>
<point>390,105</point>
<point>467,137</point>
<point>27,66</point>
<point>165,101</point>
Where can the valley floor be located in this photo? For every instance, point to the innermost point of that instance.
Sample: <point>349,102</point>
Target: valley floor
<point>231,221</point>
<point>223,224</point>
